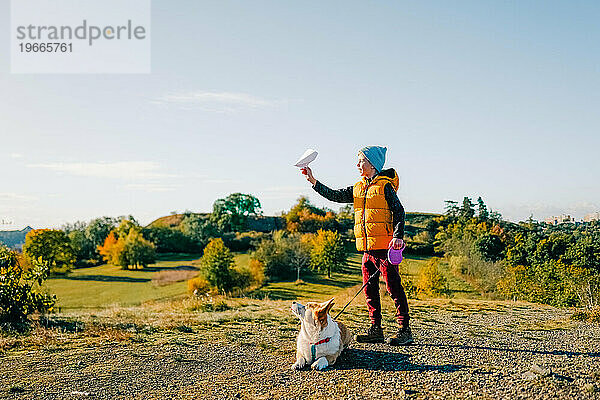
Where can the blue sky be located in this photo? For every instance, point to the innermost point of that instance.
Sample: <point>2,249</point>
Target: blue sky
<point>498,99</point>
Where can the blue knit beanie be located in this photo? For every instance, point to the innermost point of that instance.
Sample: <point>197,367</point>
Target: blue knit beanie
<point>375,155</point>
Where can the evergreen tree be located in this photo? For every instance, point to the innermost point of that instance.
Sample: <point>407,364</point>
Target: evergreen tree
<point>467,211</point>
<point>451,207</point>
<point>482,211</point>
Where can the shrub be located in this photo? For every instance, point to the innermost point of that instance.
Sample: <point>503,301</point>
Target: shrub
<point>466,260</point>
<point>18,295</point>
<point>517,282</point>
<point>257,272</point>
<point>198,286</point>
<point>431,281</point>
<point>328,252</point>
<point>550,283</point>
<point>589,314</point>
<point>242,278</point>
<point>459,264</point>
<point>409,287</point>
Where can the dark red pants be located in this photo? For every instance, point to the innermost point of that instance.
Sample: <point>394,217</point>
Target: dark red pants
<point>371,261</point>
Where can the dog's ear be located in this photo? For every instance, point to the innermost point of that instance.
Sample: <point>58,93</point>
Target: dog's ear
<point>327,305</point>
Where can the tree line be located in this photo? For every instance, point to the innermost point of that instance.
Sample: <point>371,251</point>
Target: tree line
<point>529,260</point>
<point>558,265</point>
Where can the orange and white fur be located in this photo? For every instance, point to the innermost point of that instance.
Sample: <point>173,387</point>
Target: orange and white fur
<point>321,339</point>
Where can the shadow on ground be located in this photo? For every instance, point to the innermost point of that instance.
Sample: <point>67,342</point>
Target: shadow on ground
<point>106,278</point>
<point>385,361</point>
<point>488,348</point>
<point>178,256</point>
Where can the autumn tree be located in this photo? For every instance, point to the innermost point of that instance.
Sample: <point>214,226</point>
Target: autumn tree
<point>305,217</point>
<point>137,251</point>
<point>52,246</point>
<point>111,249</point>
<point>328,252</point>
<point>126,225</point>
<point>127,251</point>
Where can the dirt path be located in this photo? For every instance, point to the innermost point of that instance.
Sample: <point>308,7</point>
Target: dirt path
<point>464,349</point>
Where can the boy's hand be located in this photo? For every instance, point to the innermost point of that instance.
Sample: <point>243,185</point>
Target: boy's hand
<point>309,176</point>
<point>396,244</point>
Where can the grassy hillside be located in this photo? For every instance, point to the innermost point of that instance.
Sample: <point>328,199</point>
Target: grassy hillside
<point>14,239</point>
<point>173,220</point>
<point>107,285</point>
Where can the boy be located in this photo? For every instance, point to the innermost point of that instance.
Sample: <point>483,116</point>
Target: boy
<point>378,225</point>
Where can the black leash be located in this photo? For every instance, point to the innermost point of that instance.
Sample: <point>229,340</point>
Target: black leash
<point>357,293</point>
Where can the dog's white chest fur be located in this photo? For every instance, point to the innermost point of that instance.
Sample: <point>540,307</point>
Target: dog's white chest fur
<point>326,342</point>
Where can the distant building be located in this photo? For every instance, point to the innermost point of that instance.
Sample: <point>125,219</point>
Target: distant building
<point>561,219</point>
<point>592,217</point>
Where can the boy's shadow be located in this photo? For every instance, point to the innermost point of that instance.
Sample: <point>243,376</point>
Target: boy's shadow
<point>385,361</point>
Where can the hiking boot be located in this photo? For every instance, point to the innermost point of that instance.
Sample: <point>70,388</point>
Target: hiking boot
<point>402,337</point>
<point>374,335</point>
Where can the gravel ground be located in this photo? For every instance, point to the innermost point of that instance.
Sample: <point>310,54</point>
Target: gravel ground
<point>462,350</point>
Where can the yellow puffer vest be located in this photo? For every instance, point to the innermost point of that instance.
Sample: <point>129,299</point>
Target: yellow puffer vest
<point>373,227</point>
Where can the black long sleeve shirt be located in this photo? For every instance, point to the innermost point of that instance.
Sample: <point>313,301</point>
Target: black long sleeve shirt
<point>346,195</point>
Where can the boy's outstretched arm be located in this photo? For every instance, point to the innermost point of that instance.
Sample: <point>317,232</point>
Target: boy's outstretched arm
<point>344,195</point>
<point>339,196</point>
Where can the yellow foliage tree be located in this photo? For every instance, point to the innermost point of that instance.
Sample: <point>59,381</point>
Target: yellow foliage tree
<point>51,246</point>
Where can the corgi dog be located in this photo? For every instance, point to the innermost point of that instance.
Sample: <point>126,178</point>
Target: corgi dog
<point>321,339</point>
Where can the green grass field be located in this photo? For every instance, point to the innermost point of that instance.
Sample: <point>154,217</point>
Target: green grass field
<point>107,285</point>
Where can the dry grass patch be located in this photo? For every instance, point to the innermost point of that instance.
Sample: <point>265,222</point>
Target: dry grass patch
<point>167,277</point>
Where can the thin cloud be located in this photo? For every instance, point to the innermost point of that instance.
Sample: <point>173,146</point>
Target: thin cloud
<point>16,155</point>
<point>152,187</point>
<point>220,181</point>
<point>221,102</point>
<point>114,170</point>
<point>11,196</point>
